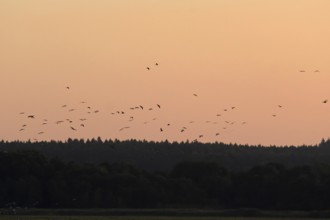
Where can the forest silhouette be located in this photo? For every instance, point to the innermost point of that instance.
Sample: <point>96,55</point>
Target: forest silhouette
<point>141,174</point>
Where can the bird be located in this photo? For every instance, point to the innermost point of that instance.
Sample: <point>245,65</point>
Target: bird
<point>200,136</point>
<point>58,122</point>
<point>161,130</point>
<point>21,113</point>
<point>82,125</point>
<point>63,106</point>
<point>23,126</point>
<point>148,68</point>
<point>44,123</point>
<point>233,107</point>
<point>195,94</point>
<point>280,106</point>
<point>150,109</point>
<point>96,111</point>
<point>30,116</point>
<point>325,101</point>
<point>68,87</point>
<point>158,105</point>
<point>83,119</point>
<point>141,107</point>
<point>123,128</point>
<point>168,124</point>
<point>316,71</point>
<point>71,110</point>
<point>302,71</point>
<point>41,132</point>
<point>217,134</point>
<point>225,109</point>
<point>72,128</point>
<point>156,64</point>
<point>218,115</point>
<point>22,129</point>
<point>274,115</point>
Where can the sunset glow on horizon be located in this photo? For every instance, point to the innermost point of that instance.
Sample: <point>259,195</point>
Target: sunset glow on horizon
<point>259,70</point>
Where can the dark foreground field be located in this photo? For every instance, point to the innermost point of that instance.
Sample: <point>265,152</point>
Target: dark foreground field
<point>140,218</point>
<point>162,214</point>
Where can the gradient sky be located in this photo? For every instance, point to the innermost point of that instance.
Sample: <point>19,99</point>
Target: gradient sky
<point>242,53</point>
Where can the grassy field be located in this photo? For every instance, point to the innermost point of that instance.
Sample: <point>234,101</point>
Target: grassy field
<point>140,218</point>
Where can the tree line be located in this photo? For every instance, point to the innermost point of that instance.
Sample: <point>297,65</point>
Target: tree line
<point>164,155</point>
<point>29,179</point>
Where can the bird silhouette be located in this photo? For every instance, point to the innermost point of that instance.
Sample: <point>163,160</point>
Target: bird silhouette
<point>63,106</point>
<point>141,107</point>
<point>22,129</point>
<point>148,68</point>
<point>325,101</point>
<point>274,115</point>
<point>217,134</point>
<point>82,125</point>
<point>161,130</point>
<point>68,87</point>
<point>71,110</point>
<point>302,71</point>
<point>123,128</point>
<point>30,116</point>
<point>72,128</point>
<point>200,136</point>
<point>156,64</point>
<point>280,106</point>
<point>195,94</point>
<point>158,105</point>
<point>41,132</point>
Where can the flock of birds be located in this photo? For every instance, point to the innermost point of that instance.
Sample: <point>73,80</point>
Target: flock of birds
<point>88,110</point>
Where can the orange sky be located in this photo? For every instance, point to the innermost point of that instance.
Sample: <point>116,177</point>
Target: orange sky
<point>246,54</point>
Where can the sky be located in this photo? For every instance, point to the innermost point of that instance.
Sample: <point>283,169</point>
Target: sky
<point>242,58</point>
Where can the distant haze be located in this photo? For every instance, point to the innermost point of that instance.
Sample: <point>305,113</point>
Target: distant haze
<point>252,55</point>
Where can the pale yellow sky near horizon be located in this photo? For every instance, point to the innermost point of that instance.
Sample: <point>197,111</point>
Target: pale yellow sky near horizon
<point>242,53</point>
